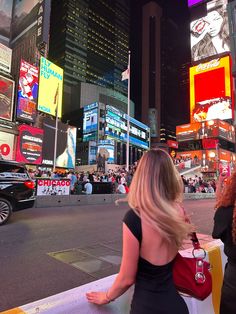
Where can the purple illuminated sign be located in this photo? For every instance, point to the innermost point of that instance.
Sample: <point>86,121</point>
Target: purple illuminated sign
<point>193,2</point>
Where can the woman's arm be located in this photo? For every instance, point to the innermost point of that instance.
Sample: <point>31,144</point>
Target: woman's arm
<point>127,273</point>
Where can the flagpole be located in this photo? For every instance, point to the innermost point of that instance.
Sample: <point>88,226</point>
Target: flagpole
<point>128,117</point>
<point>55,139</point>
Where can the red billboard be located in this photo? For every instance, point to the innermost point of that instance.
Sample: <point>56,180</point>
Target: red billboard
<point>6,98</point>
<point>211,90</point>
<point>27,92</point>
<point>29,145</point>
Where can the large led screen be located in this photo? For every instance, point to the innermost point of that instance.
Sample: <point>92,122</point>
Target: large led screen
<point>6,98</point>
<point>50,88</point>
<point>5,15</point>
<point>210,33</point>
<point>27,92</point>
<point>211,90</point>
<point>107,150</point>
<point>90,122</point>
<point>116,128</point>
<point>66,144</point>
<point>205,130</point>
<point>29,145</point>
<point>7,141</point>
<point>24,16</point>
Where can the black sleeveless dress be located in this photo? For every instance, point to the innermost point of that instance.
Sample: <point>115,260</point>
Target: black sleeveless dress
<point>154,291</point>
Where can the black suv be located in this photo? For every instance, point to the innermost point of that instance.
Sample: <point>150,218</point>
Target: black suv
<point>17,189</point>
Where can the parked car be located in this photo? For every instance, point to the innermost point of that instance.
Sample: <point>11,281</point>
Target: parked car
<point>17,189</point>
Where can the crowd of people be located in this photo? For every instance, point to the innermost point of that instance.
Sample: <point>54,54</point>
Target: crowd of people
<point>82,182</point>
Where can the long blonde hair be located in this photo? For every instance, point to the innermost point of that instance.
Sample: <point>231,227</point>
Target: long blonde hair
<point>155,190</point>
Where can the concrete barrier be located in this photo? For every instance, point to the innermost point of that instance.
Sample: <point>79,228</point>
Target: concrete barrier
<point>77,200</point>
<point>74,301</point>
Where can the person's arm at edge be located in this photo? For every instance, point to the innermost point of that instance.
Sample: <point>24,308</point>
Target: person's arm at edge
<point>127,273</point>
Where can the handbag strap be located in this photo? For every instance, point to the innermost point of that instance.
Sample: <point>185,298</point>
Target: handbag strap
<point>195,241</point>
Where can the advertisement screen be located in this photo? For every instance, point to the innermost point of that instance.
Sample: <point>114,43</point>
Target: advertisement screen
<point>210,33</point>
<point>215,101</point>
<point>207,129</point>
<point>24,15</point>
<point>53,187</point>
<point>66,144</point>
<point>108,151</point>
<point>6,98</point>
<point>7,146</point>
<point>29,145</point>
<point>50,88</point>
<point>116,128</point>
<point>5,15</point>
<point>5,58</point>
<point>27,92</point>
<point>90,122</point>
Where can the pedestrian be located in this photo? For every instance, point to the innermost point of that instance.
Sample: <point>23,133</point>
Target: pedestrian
<point>225,229</point>
<point>153,231</point>
<point>88,187</point>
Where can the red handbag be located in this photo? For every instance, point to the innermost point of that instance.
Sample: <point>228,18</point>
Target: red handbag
<point>192,274</point>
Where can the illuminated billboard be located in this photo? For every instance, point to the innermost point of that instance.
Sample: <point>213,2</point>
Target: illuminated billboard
<point>210,33</point>
<point>6,98</point>
<point>204,130</point>
<point>211,90</point>
<point>24,16</point>
<point>66,144</point>
<point>5,58</point>
<point>50,88</point>
<point>90,122</point>
<point>7,141</point>
<point>29,145</point>
<point>116,128</point>
<point>27,92</point>
<point>5,14</point>
<point>107,148</point>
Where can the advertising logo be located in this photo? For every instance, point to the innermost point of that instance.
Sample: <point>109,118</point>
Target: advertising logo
<point>66,144</point>
<point>7,145</point>
<point>27,92</point>
<point>210,33</point>
<point>6,98</point>
<point>50,88</point>
<point>29,145</point>
<point>5,58</point>
<point>210,91</point>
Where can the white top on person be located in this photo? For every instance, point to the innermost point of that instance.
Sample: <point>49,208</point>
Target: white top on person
<point>88,187</point>
<point>121,189</point>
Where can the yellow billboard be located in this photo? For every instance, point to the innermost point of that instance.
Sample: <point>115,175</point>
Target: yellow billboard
<point>50,88</point>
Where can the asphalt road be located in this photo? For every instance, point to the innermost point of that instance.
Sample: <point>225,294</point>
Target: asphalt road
<point>44,251</point>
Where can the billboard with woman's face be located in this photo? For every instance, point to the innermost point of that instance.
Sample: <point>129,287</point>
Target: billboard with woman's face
<point>210,33</point>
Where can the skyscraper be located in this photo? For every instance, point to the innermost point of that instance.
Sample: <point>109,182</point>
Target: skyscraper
<point>90,40</point>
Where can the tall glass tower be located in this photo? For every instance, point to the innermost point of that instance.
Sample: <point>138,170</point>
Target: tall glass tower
<point>90,40</point>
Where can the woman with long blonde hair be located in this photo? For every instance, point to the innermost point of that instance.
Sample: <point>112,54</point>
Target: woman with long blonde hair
<point>225,229</point>
<point>153,231</point>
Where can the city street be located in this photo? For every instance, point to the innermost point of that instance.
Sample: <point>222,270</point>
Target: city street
<point>45,251</point>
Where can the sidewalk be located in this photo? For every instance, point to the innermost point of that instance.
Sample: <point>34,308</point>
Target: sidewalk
<point>74,301</point>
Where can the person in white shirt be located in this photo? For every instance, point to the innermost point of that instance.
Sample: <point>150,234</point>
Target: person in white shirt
<point>88,188</point>
<point>121,189</point>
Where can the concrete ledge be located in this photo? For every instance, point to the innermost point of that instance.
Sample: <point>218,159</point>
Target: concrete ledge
<point>98,199</point>
<point>198,196</point>
<point>74,301</point>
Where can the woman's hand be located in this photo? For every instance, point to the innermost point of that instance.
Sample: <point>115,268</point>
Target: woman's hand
<point>97,297</point>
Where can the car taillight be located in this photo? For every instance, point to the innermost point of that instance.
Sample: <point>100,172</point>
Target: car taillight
<point>29,184</point>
